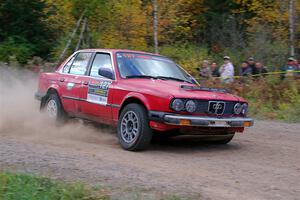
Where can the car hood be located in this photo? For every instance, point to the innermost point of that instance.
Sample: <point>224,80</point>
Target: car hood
<point>170,89</point>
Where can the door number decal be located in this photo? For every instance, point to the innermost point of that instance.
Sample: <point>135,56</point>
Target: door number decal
<point>98,93</point>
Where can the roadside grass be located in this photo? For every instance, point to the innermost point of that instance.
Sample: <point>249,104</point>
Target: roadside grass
<point>15,186</point>
<point>26,187</point>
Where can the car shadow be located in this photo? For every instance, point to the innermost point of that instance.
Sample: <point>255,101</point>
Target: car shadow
<point>178,144</point>
<point>191,143</point>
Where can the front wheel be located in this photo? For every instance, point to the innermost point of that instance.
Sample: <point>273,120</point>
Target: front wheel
<point>134,132</point>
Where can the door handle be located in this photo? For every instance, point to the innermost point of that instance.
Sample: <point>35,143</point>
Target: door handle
<point>85,82</point>
<point>62,79</point>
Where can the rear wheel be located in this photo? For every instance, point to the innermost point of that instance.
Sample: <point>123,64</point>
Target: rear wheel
<point>54,109</point>
<point>134,132</point>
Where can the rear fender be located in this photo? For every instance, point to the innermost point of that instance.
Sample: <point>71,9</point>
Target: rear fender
<point>51,89</point>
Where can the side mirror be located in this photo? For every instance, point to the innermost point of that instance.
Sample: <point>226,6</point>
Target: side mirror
<point>106,72</point>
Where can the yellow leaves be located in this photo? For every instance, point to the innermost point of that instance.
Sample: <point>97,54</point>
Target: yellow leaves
<point>177,18</point>
<point>127,27</point>
<point>269,14</point>
<point>248,5</point>
<point>129,23</point>
<point>61,17</point>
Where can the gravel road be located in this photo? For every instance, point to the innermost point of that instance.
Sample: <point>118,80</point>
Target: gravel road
<point>262,163</point>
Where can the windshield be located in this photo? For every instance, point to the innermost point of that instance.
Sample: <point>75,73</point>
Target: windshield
<point>135,65</point>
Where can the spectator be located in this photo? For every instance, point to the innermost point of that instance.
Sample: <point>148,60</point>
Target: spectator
<point>296,64</point>
<point>297,67</point>
<point>227,70</point>
<point>246,70</point>
<point>260,69</point>
<point>251,64</point>
<point>205,72</point>
<point>214,70</point>
<point>289,68</point>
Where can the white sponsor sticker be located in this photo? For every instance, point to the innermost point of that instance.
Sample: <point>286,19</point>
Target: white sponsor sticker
<point>98,93</point>
<point>97,99</point>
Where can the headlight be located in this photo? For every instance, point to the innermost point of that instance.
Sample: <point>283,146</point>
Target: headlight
<point>190,106</point>
<point>237,108</point>
<point>177,105</point>
<point>244,109</point>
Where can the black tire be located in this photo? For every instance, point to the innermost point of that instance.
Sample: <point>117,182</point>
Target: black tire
<point>223,139</point>
<point>60,115</point>
<point>134,132</point>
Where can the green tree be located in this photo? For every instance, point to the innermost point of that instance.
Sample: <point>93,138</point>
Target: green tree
<point>23,27</point>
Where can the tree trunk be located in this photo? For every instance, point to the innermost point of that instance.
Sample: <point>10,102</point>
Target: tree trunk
<point>292,27</point>
<point>83,28</point>
<point>62,55</point>
<point>88,37</point>
<point>155,26</point>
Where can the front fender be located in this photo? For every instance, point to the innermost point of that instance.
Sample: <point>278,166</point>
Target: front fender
<point>138,96</point>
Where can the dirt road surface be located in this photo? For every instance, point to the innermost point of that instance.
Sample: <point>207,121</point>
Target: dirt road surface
<point>262,163</point>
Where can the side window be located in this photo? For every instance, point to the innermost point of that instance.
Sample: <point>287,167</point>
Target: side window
<point>102,60</point>
<point>68,65</point>
<point>80,63</point>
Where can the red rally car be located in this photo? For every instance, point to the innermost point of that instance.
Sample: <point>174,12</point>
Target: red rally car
<point>142,94</point>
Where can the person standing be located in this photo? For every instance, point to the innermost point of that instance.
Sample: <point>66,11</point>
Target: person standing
<point>297,66</point>
<point>214,70</point>
<point>260,69</point>
<point>227,70</point>
<point>246,70</point>
<point>205,72</point>
<point>251,63</point>
<point>289,69</point>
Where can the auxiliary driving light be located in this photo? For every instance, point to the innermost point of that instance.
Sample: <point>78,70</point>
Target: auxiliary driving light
<point>237,108</point>
<point>190,106</point>
<point>177,105</point>
<point>244,109</point>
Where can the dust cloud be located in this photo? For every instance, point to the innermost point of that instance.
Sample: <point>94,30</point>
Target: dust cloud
<point>20,115</point>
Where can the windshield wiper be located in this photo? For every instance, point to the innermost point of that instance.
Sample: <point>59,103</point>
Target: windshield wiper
<point>140,76</point>
<point>172,78</point>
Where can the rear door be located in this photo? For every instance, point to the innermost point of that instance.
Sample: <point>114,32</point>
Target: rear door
<point>72,80</point>
<point>96,90</point>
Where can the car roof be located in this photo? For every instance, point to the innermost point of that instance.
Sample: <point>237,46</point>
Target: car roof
<point>116,50</point>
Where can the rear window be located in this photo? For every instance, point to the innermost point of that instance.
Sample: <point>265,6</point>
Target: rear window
<point>80,63</point>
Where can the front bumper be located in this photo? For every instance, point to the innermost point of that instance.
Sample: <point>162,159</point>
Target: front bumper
<point>202,121</point>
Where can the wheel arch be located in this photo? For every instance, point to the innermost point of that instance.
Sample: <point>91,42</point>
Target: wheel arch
<point>133,99</point>
<point>51,90</point>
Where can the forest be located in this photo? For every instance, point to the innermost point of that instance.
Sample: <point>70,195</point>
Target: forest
<point>185,30</point>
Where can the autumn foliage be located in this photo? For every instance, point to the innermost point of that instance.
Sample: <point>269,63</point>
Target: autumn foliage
<point>189,31</point>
